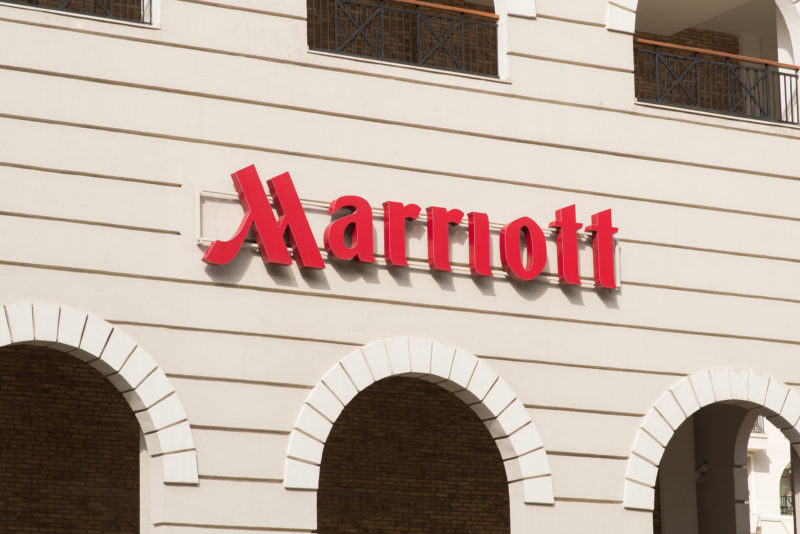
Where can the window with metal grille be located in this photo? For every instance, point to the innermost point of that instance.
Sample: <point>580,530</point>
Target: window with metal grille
<point>126,10</point>
<point>443,36</point>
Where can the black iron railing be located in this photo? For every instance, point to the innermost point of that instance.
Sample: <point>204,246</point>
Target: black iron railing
<point>712,81</point>
<point>758,426</point>
<point>406,31</point>
<point>127,10</point>
<point>787,504</point>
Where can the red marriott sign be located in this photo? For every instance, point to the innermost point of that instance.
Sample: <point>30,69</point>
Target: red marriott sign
<point>357,226</point>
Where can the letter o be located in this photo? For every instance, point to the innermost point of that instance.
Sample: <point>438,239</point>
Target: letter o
<point>511,254</point>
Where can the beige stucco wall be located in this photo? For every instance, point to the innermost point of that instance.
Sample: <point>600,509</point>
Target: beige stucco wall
<point>111,133</point>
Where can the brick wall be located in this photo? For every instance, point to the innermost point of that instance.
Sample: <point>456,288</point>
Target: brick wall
<point>407,456</point>
<point>69,451</point>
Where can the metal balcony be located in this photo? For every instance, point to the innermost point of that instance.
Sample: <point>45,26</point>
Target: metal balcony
<point>406,31</point>
<point>706,80</point>
<point>127,10</point>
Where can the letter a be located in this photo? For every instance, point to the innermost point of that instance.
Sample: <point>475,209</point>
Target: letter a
<point>269,232</point>
<point>360,219</point>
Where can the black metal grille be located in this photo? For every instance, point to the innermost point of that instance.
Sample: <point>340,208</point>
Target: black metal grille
<point>730,86</point>
<point>402,33</point>
<point>127,10</point>
<point>787,504</point>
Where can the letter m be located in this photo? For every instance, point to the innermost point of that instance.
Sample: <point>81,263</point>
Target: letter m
<point>268,231</point>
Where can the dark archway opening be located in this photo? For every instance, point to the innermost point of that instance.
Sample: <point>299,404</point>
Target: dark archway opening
<point>69,447</point>
<point>407,456</point>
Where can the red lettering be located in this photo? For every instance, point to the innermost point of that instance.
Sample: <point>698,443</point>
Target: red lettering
<point>395,215</point>
<point>511,253</point>
<point>269,232</point>
<point>603,249</point>
<point>479,244</point>
<point>360,219</point>
<point>439,222</point>
<point>567,245</point>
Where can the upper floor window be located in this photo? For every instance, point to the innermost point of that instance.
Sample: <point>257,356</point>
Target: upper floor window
<point>726,57</point>
<point>448,35</point>
<point>126,10</point>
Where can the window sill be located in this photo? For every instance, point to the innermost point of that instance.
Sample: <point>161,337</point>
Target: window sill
<point>392,66</point>
<point>36,9</point>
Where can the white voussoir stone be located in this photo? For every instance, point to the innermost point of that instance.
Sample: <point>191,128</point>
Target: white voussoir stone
<point>538,490</point>
<point>95,335</point>
<point>757,387</point>
<point>647,447</point>
<point>668,407</point>
<point>135,370</point>
<point>311,422</point>
<point>357,369</point>
<point>300,475</point>
<point>442,360</point>
<point>463,365</point>
<point>45,322</point>
<point>377,359</point>
<point>399,359</point>
<point>655,425</point>
<point>638,497</point>
<point>302,447</point>
<point>740,383</point>
<point>641,470</point>
<point>534,464</point>
<point>117,350</point>
<point>419,351</point>
<point>340,384</point>
<point>776,395</point>
<point>701,383</point>
<point>163,414</point>
<point>721,382</point>
<point>499,397</point>
<point>175,438</point>
<point>482,380</point>
<point>791,408</point>
<point>325,402</point>
<point>684,394</point>
<point>5,333</point>
<point>20,321</point>
<point>70,329</point>
<point>181,468</point>
<point>154,388</point>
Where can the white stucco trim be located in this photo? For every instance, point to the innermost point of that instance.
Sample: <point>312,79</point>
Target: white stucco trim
<point>452,368</point>
<point>686,397</point>
<point>124,363</point>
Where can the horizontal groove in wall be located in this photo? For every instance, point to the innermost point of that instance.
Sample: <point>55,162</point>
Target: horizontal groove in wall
<point>710,250</point>
<point>586,500</point>
<point>243,8</point>
<point>570,62</point>
<point>582,410</point>
<point>391,123</point>
<point>582,366</point>
<point>231,527</point>
<point>570,21</point>
<point>586,455</point>
<point>89,223</point>
<point>373,300</point>
<point>73,172</point>
<point>240,429</point>
<point>238,381</point>
<point>306,64</point>
<point>242,479</point>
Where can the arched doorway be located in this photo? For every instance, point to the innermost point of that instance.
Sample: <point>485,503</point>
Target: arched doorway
<point>407,456</point>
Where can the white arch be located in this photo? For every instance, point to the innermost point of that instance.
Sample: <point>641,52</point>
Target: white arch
<point>455,370</point>
<point>125,364</point>
<point>745,386</point>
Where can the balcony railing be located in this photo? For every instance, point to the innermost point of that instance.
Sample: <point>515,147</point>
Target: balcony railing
<point>406,31</point>
<point>787,504</point>
<point>127,10</point>
<point>712,81</point>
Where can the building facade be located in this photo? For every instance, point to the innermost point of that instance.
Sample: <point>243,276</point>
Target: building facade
<point>533,267</point>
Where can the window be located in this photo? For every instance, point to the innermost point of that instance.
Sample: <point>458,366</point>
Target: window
<point>435,35</point>
<point>726,57</point>
<point>126,10</point>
